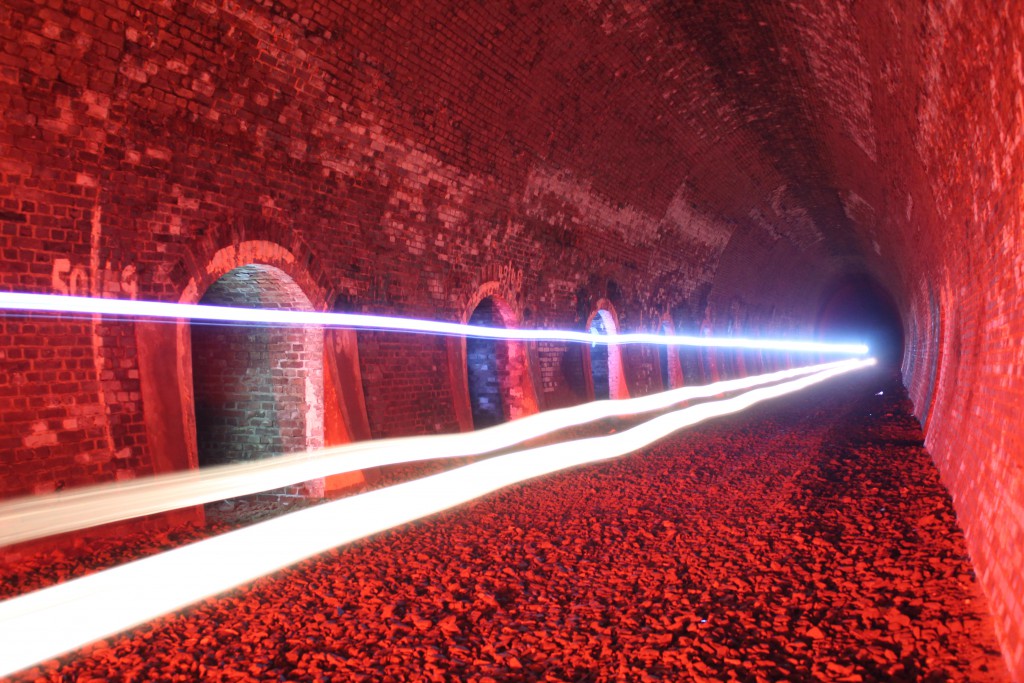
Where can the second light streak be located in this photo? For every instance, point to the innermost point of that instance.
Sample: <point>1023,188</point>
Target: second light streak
<point>42,625</point>
<point>39,516</point>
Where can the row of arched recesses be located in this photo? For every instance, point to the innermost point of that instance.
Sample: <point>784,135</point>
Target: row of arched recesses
<point>677,366</point>
<point>261,391</point>
<point>255,392</point>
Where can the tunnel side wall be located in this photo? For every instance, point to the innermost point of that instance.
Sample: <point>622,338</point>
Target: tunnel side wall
<point>963,254</point>
<point>138,147</point>
<point>927,142</point>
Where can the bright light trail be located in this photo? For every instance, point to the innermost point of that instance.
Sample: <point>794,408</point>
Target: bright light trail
<point>40,516</point>
<point>42,625</point>
<point>18,301</point>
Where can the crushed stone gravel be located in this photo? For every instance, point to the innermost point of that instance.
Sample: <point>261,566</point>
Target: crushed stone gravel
<point>808,539</point>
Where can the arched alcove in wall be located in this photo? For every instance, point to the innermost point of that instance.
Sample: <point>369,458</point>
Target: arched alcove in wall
<point>599,370</point>
<point>487,369</point>
<point>689,360</point>
<point>605,360</point>
<point>258,390</point>
<point>497,379</point>
<point>688,357</point>
<point>664,371</point>
<point>709,357</point>
<point>754,360</point>
<point>738,366</point>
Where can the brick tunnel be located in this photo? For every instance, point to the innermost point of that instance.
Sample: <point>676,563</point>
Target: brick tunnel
<point>807,170</point>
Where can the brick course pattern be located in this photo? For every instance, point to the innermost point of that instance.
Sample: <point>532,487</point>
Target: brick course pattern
<point>250,383</point>
<point>723,165</point>
<point>488,369</point>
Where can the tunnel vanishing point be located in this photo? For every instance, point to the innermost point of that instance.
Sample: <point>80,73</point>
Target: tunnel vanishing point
<point>809,169</point>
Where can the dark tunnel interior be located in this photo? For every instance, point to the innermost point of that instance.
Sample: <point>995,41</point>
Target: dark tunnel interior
<point>859,310</point>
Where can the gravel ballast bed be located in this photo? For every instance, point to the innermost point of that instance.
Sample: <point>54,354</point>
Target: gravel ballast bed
<point>807,539</point>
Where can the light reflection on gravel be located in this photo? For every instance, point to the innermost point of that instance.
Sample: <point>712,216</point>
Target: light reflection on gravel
<point>809,539</point>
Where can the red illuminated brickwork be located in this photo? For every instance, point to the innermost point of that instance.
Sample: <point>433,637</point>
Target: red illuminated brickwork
<point>258,390</point>
<point>726,164</point>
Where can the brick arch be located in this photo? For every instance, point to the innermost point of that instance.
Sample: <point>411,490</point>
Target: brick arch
<point>509,313</point>
<point>514,371</point>
<point>275,280</point>
<point>216,264</point>
<point>604,317</point>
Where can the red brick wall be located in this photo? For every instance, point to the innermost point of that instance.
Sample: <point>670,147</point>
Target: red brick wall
<point>62,413</point>
<point>950,220</point>
<point>975,423</point>
<point>561,372</point>
<point>405,384</point>
<point>728,160</point>
<point>137,143</point>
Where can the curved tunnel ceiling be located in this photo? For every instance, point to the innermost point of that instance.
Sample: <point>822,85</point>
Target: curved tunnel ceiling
<point>774,118</point>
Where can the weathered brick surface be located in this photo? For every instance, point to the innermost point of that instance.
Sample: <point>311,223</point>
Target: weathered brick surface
<point>139,146</point>
<point>719,163</point>
<point>405,384</point>
<point>948,229</point>
<point>258,390</point>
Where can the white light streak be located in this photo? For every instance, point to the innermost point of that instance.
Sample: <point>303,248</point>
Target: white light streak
<point>19,301</point>
<point>42,625</point>
<point>40,516</point>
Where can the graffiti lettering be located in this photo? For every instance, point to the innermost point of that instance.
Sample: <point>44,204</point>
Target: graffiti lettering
<point>75,280</point>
